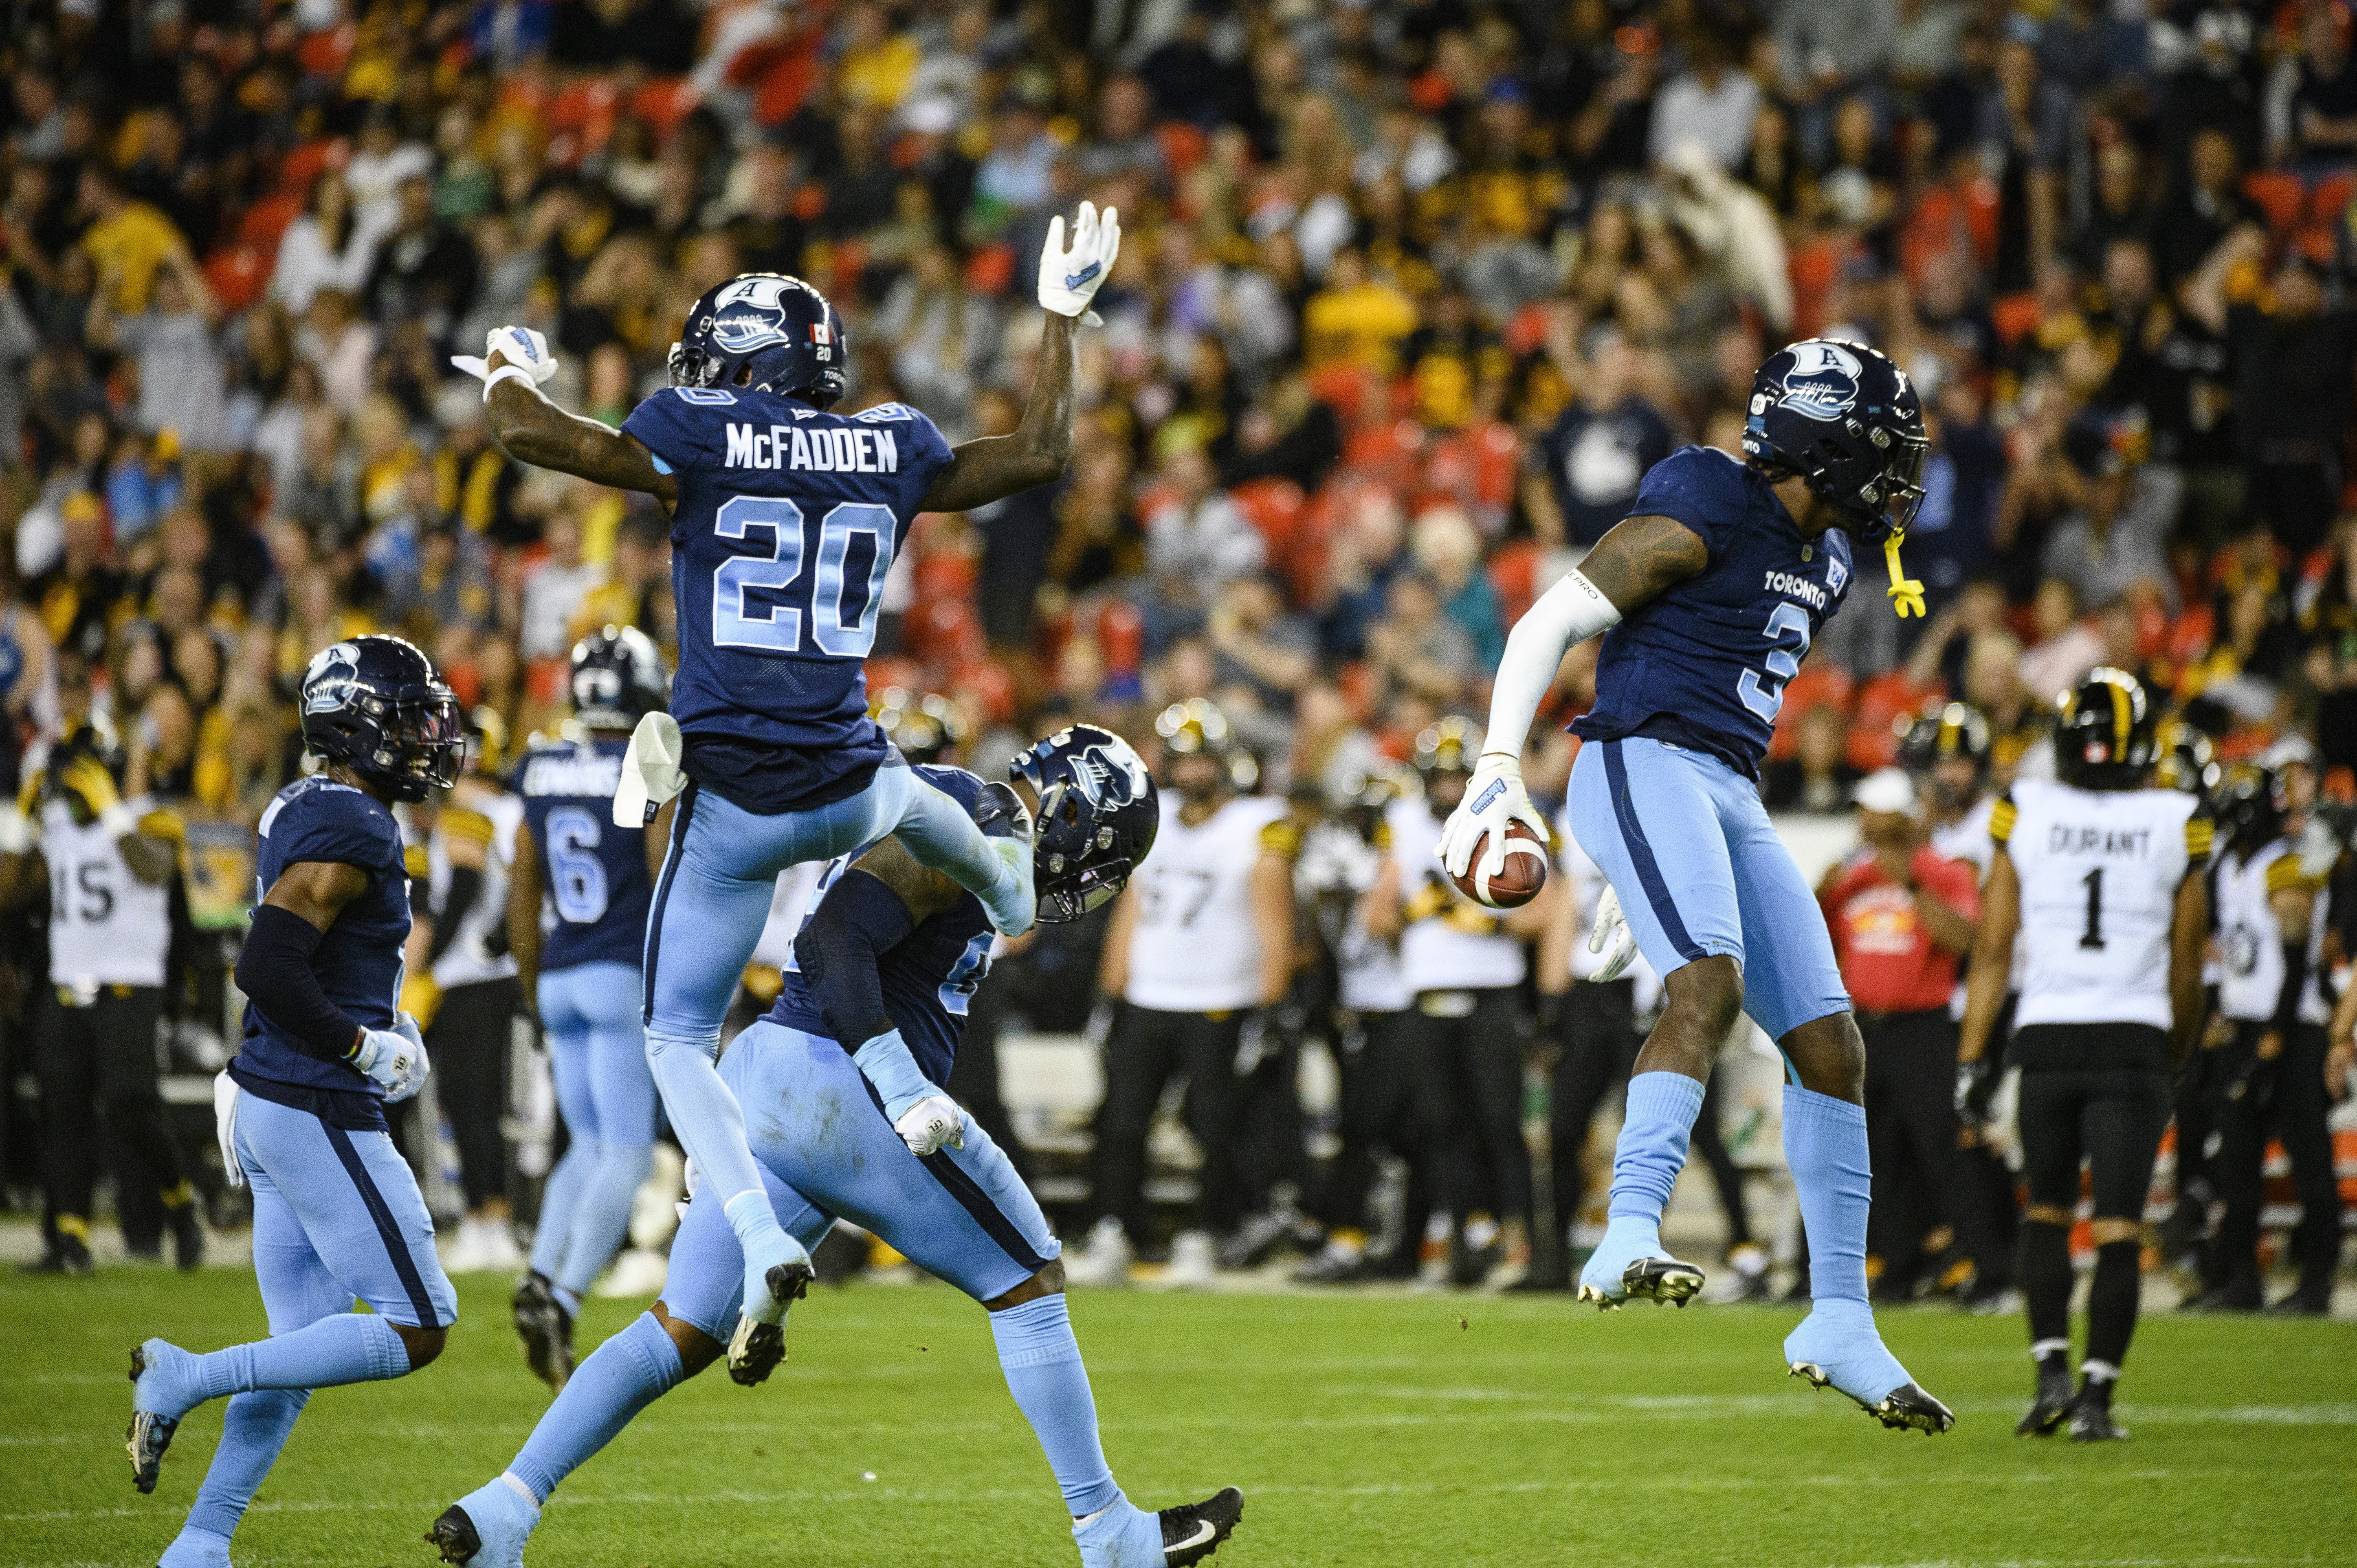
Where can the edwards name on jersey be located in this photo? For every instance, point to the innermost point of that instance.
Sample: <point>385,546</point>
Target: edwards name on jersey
<point>787,521</point>
<point>1704,664</point>
<point>594,871</point>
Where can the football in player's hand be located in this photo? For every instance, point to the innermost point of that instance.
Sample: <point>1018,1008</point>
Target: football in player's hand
<point>1518,881</point>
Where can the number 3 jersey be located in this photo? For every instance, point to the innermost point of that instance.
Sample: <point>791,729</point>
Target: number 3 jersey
<point>1704,665</point>
<point>787,522</point>
<point>2099,870</point>
<point>1194,948</point>
<point>929,975</point>
<point>594,874</point>
<point>106,927</point>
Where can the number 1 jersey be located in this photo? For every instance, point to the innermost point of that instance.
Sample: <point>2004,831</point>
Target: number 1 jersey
<point>787,522</point>
<point>1704,665</point>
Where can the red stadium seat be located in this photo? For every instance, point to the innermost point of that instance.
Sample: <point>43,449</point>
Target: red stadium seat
<point>304,164</point>
<point>238,273</point>
<point>2015,317</point>
<point>1274,507</point>
<point>2280,194</point>
<point>1183,145</point>
<point>266,220</point>
<point>664,103</point>
<point>1815,686</point>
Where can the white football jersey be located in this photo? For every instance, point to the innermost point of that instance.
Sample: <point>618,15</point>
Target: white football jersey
<point>493,816</point>
<point>2250,937</point>
<point>1451,943</point>
<point>1368,978</point>
<point>1967,838</point>
<point>2099,872</point>
<point>106,927</point>
<point>1194,948</point>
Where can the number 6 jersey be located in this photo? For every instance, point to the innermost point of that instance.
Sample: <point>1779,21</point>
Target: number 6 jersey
<point>594,874</point>
<point>787,522</point>
<point>2099,872</point>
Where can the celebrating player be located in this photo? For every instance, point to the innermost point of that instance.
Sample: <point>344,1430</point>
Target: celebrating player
<point>785,520</point>
<point>888,958</point>
<point>583,977</point>
<point>301,1107</point>
<point>2102,875</point>
<point>1713,588</point>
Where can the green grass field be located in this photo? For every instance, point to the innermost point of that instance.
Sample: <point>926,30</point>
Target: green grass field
<point>1364,1430</point>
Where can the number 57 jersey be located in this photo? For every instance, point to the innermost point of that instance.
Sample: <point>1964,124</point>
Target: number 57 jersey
<point>2099,872</point>
<point>594,874</point>
<point>787,522</point>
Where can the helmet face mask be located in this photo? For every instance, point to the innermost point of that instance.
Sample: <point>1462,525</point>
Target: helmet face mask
<point>374,705</point>
<point>1097,818</point>
<point>767,331</point>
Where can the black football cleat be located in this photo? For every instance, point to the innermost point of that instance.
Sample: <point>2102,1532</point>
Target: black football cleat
<point>1907,1408</point>
<point>546,1330</point>
<point>1662,1281</point>
<point>147,1435</point>
<point>2307,1301</point>
<point>1192,1532</point>
<point>454,1536</point>
<point>2091,1417</point>
<point>2052,1405</point>
<point>757,1350</point>
<point>66,1255</point>
<point>188,1237</point>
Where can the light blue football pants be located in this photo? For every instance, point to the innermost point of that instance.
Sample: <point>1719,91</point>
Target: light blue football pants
<point>589,1016</point>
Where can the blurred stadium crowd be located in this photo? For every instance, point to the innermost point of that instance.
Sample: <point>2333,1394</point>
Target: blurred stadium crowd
<point>1415,293</point>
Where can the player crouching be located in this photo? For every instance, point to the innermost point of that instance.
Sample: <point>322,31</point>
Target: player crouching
<point>889,956</point>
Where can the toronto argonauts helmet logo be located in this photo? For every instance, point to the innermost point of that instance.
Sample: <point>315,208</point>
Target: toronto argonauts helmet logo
<point>1823,379</point>
<point>1104,777</point>
<point>329,678</point>
<point>750,313</point>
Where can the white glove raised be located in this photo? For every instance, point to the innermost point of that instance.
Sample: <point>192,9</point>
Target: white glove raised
<point>1612,938</point>
<point>1494,796</point>
<point>394,1058</point>
<point>1068,279</point>
<point>650,771</point>
<point>519,346</point>
<point>930,1124</point>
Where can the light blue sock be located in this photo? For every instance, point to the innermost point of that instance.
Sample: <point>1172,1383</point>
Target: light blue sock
<point>1824,1142</point>
<point>570,1300</point>
<point>1042,1363</point>
<point>254,1429</point>
<point>560,1200</point>
<point>1651,1149</point>
<point>601,1213</point>
<point>350,1348</point>
<point>621,1377</point>
<point>711,1126</point>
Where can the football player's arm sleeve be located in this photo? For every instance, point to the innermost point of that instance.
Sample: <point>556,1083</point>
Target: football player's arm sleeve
<point>275,967</point>
<point>839,950</point>
<point>1572,611</point>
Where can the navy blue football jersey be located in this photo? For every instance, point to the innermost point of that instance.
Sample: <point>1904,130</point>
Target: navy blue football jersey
<point>596,874</point>
<point>357,960</point>
<point>929,976</point>
<point>1704,666</point>
<point>788,519</point>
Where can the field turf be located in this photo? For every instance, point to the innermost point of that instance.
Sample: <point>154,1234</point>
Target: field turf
<point>1364,1430</point>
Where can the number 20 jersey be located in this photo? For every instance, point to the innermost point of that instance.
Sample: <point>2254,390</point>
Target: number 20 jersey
<point>2099,872</point>
<point>595,873</point>
<point>1704,665</point>
<point>788,519</point>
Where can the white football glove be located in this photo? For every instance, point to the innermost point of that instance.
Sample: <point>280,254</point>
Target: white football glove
<point>519,346</point>
<point>1068,279</point>
<point>1494,796</point>
<point>394,1058</point>
<point>1612,938</point>
<point>650,771</point>
<point>930,1124</point>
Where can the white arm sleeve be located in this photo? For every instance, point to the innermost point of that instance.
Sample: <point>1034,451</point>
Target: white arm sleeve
<point>1572,611</point>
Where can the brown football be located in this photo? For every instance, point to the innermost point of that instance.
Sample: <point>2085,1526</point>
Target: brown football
<point>1518,881</point>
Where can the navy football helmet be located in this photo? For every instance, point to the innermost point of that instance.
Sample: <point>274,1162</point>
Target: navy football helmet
<point>766,331</point>
<point>375,705</point>
<point>618,678</point>
<point>2104,737</point>
<point>1845,418</point>
<point>1097,818</point>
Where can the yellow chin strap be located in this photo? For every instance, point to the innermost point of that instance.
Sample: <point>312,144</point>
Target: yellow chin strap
<point>1906,593</point>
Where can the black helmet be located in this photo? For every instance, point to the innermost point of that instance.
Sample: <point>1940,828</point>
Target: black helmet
<point>1844,417</point>
<point>2250,808</point>
<point>2187,759</point>
<point>777,332</point>
<point>93,738</point>
<point>1945,734</point>
<point>1196,725</point>
<point>487,742</point>
<point>1452,745</point>
<point>924,727</point>
<point>1098,815</point>
<point>618,678</point>
<point>2104,736</point>
<point>374,705</point>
